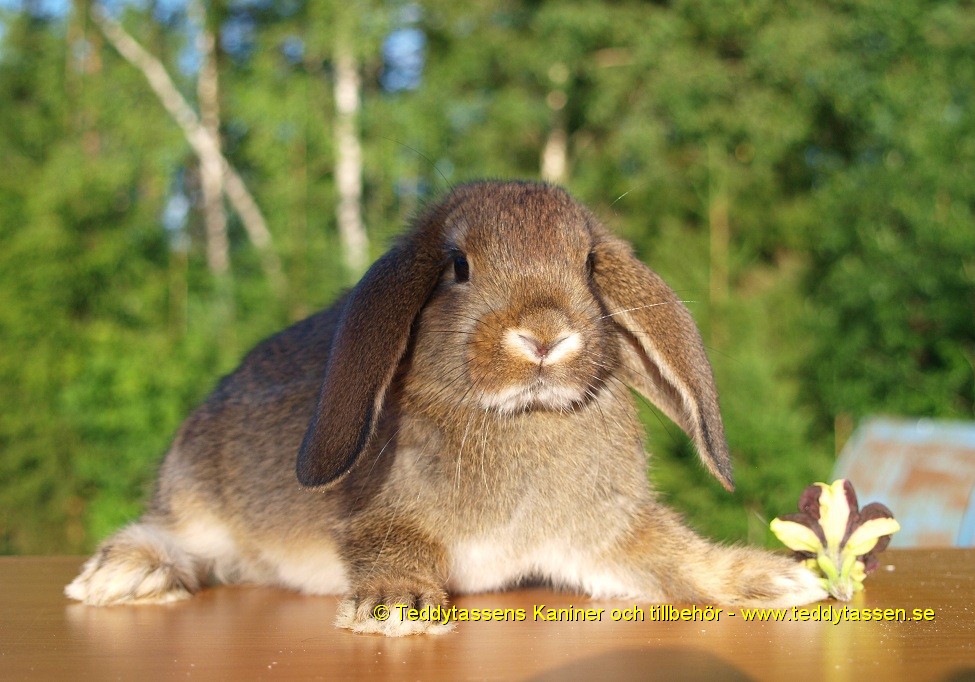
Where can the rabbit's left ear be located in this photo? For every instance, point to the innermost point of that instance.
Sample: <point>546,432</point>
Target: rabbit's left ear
<point>662,353</point>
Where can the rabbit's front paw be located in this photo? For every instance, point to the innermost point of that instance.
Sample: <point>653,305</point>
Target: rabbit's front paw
<point>744,576</point>
<point>394,609</point>
<point>797,586</point>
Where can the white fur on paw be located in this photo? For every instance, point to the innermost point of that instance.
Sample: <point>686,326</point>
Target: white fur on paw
<point>137,565</point>
<point>798,586</point>
<point>395,624</point>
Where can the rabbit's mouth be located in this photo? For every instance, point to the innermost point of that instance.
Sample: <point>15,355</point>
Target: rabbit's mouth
<point>540,395</point>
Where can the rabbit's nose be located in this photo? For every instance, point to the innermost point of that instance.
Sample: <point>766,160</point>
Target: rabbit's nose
<point>525,343</point>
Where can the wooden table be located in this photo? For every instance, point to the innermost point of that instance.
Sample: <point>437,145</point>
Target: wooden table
<point>260,633</point>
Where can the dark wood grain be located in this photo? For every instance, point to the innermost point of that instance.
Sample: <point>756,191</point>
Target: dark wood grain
<point>250,633</point>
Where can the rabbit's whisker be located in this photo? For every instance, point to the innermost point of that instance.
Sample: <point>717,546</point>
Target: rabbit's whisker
<point>641,307</point>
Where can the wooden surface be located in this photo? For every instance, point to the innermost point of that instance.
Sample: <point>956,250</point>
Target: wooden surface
<point>261,633</point>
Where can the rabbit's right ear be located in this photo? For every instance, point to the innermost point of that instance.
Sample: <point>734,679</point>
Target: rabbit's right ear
<point>371,339</point>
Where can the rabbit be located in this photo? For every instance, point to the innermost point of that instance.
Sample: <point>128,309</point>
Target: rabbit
<point>461,421</point>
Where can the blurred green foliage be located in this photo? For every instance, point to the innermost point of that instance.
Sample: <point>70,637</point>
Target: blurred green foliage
<point>803,173</point>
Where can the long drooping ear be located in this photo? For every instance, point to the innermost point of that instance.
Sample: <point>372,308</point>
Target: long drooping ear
<point>662,353</point>
<point>371,339</point>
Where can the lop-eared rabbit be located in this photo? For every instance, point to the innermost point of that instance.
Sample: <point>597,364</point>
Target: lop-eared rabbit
<point>461,421</point>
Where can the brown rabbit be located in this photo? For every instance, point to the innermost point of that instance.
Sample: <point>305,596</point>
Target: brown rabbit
<point>462,422</point>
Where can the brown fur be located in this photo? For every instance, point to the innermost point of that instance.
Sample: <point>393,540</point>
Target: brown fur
<point>453,435</point>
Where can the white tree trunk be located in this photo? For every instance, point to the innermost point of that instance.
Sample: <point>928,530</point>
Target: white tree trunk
<point>211,170</point>
<point>348,161</point>
<point>555,154</point>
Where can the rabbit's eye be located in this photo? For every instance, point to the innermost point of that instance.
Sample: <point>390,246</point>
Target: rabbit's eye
<point>462,271</point>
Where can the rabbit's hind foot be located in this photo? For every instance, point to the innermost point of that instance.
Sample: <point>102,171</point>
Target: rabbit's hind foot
<point>139,564</point>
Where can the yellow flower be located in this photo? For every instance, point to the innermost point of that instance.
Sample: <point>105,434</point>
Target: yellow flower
<point>834,538</point>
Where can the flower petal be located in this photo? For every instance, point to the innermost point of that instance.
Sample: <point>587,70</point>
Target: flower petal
<point>796,536</point>
<point>866,536</point>
<point>875,510</point>
<point>809,500</point>
<point>870,561</point>
<point>853,520</point>
<point>881,545</point>
<point>850,493</point>
<point>834,512</point>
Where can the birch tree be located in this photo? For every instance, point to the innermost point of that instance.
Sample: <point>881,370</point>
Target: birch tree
<point>348,158</point>
<point>198,137</point>
<point>211,170</point>
<point>555,154</point>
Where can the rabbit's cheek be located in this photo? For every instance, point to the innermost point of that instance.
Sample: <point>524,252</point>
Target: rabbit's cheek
<point>488,363</point>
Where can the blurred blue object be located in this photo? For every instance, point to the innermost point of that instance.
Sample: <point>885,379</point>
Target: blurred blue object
<point>924,470</point>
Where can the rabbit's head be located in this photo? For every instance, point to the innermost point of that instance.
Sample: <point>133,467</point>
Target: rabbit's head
<point>510,297</point>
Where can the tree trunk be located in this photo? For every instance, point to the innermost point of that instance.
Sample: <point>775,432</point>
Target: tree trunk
<point>211,170</point>
<point>348,161</point>
<point>555,154</point>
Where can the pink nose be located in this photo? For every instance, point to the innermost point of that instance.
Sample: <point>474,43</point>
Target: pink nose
<point>539,348</point>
